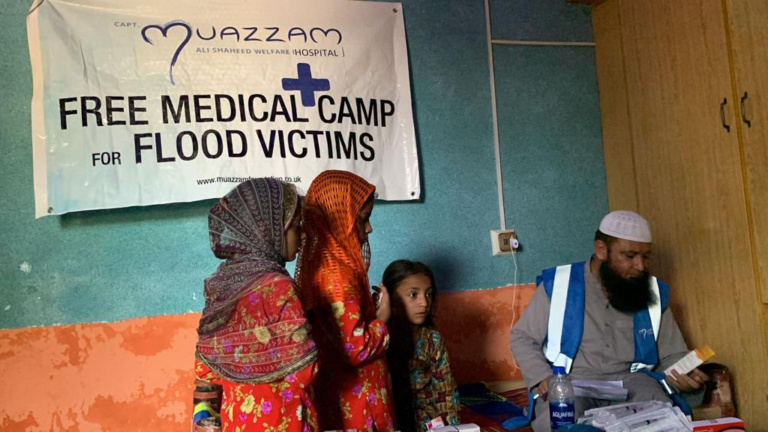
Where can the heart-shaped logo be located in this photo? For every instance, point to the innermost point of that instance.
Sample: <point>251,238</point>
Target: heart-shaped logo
<point>164,31</point>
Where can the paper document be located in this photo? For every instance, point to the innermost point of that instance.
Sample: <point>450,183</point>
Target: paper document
<point>605,390</point>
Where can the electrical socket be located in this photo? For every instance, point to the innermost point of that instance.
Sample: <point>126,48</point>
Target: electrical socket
<point>504,242</point>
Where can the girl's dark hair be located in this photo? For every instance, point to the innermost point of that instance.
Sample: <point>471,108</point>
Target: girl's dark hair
<point>401,269</point>
<point>402,343</point>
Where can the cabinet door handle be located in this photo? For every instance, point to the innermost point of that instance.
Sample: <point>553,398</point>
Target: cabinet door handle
<point>722,115</point>
<point>744,111</point>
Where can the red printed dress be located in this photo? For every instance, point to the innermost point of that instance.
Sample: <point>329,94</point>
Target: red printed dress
<point>352,389</point>
<point>284,405</point>
<point>353,386</point>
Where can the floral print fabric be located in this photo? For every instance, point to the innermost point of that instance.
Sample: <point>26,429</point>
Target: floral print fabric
<point>432,385</point>
<point>284,405</point>
<point>353,386</point>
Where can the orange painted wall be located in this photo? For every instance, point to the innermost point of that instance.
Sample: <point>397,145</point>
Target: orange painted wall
<point>136,375</point>
<point>477,326</point>
<point>133,375</point>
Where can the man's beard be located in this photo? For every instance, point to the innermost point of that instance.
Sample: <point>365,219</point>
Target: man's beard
<point>627,295</point>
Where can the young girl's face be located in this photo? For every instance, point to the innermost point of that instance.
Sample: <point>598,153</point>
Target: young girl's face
<point>294,235</point>
<point>415,294</point>
<point>363,221</point>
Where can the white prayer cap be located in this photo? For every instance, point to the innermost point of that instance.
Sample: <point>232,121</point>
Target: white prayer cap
<point>626,225</point>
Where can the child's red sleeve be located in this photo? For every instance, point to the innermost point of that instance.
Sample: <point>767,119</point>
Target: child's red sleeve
<point>361,340</point>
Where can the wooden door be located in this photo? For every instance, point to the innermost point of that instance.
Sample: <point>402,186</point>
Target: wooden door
<point>748,27</point>
<point>689,181</point>
<point>612,84</point>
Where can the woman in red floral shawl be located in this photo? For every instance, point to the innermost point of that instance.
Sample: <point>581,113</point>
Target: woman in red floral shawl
<point>254,339</point>
<point>353,389</point>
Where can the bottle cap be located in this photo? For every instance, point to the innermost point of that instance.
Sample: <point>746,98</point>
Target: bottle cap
<point>558,370</point>
<point>705,352</point>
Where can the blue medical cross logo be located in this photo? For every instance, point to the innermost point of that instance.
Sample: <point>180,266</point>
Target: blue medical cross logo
<point>306,84</point>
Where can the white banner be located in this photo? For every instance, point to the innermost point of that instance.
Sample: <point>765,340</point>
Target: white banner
<point>146,102</point>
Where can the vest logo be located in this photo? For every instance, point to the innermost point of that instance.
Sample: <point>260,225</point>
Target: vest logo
<point>646,332</point>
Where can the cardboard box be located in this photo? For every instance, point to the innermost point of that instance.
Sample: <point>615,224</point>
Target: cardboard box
<point>720,425</point>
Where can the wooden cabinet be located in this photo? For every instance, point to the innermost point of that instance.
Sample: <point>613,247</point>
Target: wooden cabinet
<point>748,23</point>
<point>671,74</point>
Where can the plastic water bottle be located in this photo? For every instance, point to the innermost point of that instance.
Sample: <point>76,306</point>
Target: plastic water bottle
<point>561,404</point>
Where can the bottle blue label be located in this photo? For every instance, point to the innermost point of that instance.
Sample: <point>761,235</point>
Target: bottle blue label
<point>561,414</point>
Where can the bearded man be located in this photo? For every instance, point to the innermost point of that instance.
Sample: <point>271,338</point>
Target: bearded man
<point>604,319</point>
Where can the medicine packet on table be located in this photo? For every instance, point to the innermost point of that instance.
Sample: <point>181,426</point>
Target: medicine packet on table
<point>667,419</point>
<point>606,416</point>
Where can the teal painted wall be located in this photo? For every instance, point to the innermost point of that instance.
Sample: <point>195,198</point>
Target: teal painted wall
<point>115,264</point>
<point>540,20</point>
<point>551,152</point>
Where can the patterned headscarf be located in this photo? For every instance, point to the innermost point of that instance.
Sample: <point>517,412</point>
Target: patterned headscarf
<point>247,228</point>
<point>333,264</point>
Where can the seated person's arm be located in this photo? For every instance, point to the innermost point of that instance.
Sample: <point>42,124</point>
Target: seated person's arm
<point>672,348</point>
<point>527,342</point>
<point>204,373</point>
<point>210,405</point>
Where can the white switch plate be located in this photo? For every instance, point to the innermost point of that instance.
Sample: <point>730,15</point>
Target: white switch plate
<point>504,242</point>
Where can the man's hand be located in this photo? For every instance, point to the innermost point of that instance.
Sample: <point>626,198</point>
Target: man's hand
<point>686,383</point>
<point>543,388</point>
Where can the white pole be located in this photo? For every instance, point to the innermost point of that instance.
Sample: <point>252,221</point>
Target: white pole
<point>497,150</point>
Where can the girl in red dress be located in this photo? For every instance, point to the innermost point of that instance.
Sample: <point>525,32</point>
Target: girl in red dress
<point>254,339</point>
<point>353,389</point>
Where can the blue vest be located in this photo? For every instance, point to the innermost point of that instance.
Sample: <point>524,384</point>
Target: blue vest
<point>565,287</point>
